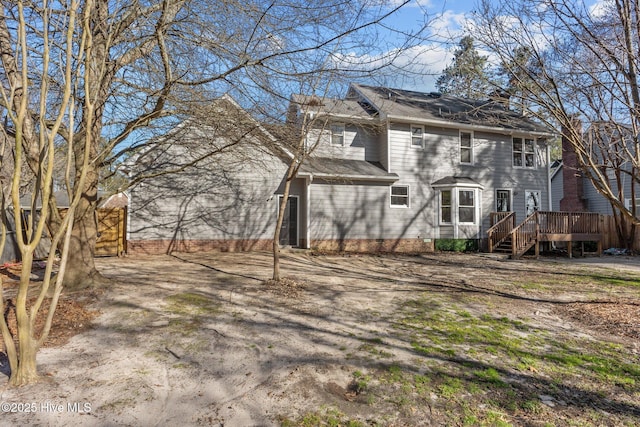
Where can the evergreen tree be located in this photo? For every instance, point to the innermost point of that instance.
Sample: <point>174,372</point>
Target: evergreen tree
<point>467,76</point>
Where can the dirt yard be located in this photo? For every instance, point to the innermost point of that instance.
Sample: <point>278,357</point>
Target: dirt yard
<point>442,339</point>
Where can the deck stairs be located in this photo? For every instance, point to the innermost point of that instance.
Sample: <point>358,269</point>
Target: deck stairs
<point>506,237</point>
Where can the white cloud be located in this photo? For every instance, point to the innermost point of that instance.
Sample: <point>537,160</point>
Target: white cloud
<point>600,8</point>
<point>420,64</point>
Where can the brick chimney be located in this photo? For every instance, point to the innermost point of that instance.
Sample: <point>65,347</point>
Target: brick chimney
<point>572,178</point>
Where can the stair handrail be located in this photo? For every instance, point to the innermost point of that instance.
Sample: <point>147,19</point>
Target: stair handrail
<point>501,230</point>
<point>524,235</point>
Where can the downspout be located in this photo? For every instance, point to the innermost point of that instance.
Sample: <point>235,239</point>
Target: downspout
<point>388,146</point>
<point>308,233</point>
<point>549,196</point>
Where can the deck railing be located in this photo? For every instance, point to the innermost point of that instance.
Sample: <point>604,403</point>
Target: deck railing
<point>524,235</point>
<point>543,225</point>
<point>569,222</point>
<point>502,225</point>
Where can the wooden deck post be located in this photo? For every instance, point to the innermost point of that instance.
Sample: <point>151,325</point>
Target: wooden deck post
<point>537,239</point>
<point>570,248</point>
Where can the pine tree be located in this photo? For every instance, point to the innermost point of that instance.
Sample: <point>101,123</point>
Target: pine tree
<point>467,76</point>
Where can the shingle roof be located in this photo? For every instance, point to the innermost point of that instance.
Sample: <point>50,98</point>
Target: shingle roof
<point>347,169</point>
<point>336,107</point>
<point>456,181</point>
<point>435,107</point>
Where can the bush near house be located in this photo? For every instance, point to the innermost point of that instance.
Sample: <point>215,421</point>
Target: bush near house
<point>457,245</point>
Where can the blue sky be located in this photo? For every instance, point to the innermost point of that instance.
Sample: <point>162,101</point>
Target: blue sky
<point>449,18</point>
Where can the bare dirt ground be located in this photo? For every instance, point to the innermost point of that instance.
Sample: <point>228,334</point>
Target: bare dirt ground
<point>200,339</point>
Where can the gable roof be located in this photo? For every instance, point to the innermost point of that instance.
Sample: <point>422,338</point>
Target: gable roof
<point>443,110</point>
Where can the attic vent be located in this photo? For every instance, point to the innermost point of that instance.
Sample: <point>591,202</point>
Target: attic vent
<point>435,95</point>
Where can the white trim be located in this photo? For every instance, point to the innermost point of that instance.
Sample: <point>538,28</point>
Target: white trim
<point>495,195</point>
<point>422,130</point>
<point>474,206</point>
<point>295,196</point>
<point>408,205</point>
<point>523,153</point>
<point>331,133</point>
<point>471,147</point>
<point>455,206</point>
<point>454,125</point>
<point>308,209</point>
<point>525,200</point>
<point>440,206</point>
<point>549,192</point>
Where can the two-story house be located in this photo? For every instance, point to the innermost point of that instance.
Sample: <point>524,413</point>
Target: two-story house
<point>397,169</point>
<point>391,170</point>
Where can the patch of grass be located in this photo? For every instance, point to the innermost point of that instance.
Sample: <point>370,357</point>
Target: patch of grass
<point>369,346</point>
<point>489,375</point>
<point>360,382</point>
<point>191,303</point>
<point>616,280</point>
<point>325,417</point>
<point>489,369</point>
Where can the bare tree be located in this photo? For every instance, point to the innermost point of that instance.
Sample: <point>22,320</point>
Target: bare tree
<point>582,66</point>
<point>29,154</point>
<point>152,62</point>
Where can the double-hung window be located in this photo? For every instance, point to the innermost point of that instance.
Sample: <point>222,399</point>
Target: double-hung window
<point>524,150</point>
<point>466,206</point>
<point>466,147</point>
<point>337,134</point>
<point>400,196</point>
<point>458,206</point>
<point>445,206</point>
<point>417,136</point>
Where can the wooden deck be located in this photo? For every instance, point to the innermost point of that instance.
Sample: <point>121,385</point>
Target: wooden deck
<point>542,226</point>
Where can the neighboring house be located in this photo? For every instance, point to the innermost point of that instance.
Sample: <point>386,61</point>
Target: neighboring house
<point>574,192</point>
<point>393,170</point>
<point>118,200</point>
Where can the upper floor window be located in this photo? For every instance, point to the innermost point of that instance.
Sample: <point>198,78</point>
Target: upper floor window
<point>524,152</point>
<point>466,147</point>
<point>400,196</point>
<point>337,134</point>
<point>417,136</point>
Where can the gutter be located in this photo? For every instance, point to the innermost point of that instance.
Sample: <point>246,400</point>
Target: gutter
<point>464,126</point>
<point>332,177</point>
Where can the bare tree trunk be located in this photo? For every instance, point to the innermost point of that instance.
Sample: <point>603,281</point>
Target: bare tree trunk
<point>291,170</point>
<point>25,371</point>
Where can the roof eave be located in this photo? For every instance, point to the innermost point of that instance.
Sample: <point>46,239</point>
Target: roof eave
<point>466,126</point>
<point>334,177</point>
